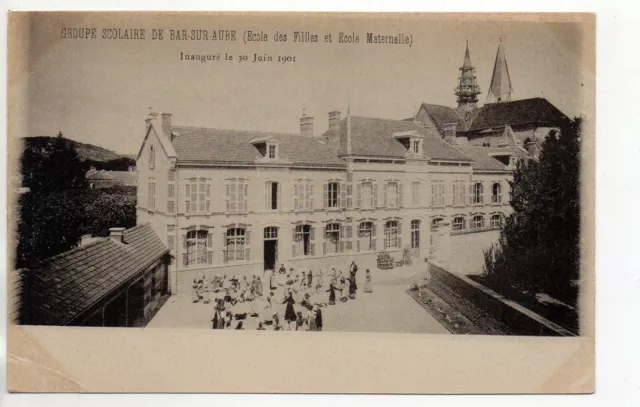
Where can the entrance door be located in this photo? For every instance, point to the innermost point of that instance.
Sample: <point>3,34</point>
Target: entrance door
<point>270,247</point>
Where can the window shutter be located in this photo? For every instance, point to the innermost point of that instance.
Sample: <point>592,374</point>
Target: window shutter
<point>359,196</point>
<point>399,234</point>
<point>184,242</point>
<point>374,191</point>
<point>247,237</point>
<point>312,241</point>
<point>279,193</point>
<point>349,196</point>
<point>293,246</point>
<point>224,245</point>
<point>247,253</point>
<point>358,245</point>
<point>185,259</point>
<point>267,195</point>
<point>324,240</point>
<point>325,194</point>
<point>296,200</point>
<point>343,195</point>
<point>385,188</point>
<point>342,233</point>
<point>246,197</point>
<point>400,195</point>
<point>311,196</point>
<point>210,257</point>
<point>374,238</point>
<point>470,198</point>
<point>227,200</point>
<point>349,237</point>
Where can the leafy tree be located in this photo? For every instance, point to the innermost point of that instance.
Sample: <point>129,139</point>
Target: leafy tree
<point>54,166</point>
<point>104,209</point>
<point>539,248</point>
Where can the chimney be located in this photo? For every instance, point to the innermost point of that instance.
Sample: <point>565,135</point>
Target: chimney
<point>117,234</point>
<point>166,124</point>
<point>450,132</point>
<point>306,124</point>
<point>334,122</point>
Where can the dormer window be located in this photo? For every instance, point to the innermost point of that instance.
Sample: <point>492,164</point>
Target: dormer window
<point>273,151</point>
<point>411,140</point>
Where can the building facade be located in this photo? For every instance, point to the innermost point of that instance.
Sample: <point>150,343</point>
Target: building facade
<point>241,202</point>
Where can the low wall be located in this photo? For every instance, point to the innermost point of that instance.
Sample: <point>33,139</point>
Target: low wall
<point>518,318</point>
<point>472,244</point>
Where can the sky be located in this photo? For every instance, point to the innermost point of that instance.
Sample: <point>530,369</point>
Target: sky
<point>100,91</point>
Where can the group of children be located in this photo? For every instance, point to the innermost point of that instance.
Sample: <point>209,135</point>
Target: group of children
<point>236,298</point>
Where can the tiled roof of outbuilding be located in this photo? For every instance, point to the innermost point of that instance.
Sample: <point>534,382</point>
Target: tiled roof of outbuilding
<point>373,137</point>
<point>66,285</point>
<point>496,115</point>
<point>233,146</point>
<point>483,159</point>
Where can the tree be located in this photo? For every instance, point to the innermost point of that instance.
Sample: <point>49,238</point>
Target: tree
<point>539,248</point>
<point>54,166</point>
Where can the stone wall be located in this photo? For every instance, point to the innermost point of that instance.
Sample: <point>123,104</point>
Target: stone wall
<point>470,297</point>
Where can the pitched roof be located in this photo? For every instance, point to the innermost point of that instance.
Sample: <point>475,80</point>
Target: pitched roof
<point>234,146</point>
<point>112,175</point>
<point>495,115</point>
<point>526,111</point>
<point>373,137</point>
<point>483,156</point>
<point>68,284</point>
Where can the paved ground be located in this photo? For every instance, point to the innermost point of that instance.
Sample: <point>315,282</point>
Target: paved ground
<point>388,309</point>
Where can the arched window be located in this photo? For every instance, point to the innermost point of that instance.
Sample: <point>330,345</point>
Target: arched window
<point>392,195</point>
<point>496,220</point>
<point>434,224</point>
<point>496,193</point>
<point>332,238</point>
<point>152,157</point>
<point>235,239</point>
<point>477,222</point>
<point>391,234</point>
<point>415,234</point>
<point>365,236</point>
<point>476,198</point>
<point>197,247</point>
<point>458,223</point>
<point>302,240</point>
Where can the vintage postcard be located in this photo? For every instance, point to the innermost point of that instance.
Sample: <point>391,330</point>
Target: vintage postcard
<point>362,203</point>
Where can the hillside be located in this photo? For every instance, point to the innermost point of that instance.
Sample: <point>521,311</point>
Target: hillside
<point>87,152</point>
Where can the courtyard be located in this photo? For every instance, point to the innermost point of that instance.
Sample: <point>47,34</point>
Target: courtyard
<point>387,309</point>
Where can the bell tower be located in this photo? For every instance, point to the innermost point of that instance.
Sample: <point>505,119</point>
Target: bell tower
<point>467,90</point>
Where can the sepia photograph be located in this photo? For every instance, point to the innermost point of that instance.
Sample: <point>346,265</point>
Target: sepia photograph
<point>320,174</point>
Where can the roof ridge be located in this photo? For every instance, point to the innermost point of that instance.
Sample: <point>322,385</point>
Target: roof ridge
<point>238,130</point>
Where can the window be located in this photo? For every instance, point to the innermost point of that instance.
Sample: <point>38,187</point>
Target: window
<point>235,241</point>
<point>393,194</point>
<point>302,239</point>
<point>437,195</point>
<point>303,195</point>
<point>332,238</point>
<point>458,194</point>
<point>458,223</point>
<point>496,220</point>
<point>332,195</point>
<point>152,157</point>
<point>415,193</point>
<point>198,195</point>
<point>434,224</point>
<point>391,234</point>
<point>496,193</point>
<point>152,194</point>
<point>237,191</point>
<point>476,197</point>
<point>171,190</point>
<point>477,222</point>
<point>272,195</point>
<point>196,247</point>
<point>272,151</point>
<point>171,176</point>
<point>366,236</point>
<point>415,146</point>
<point>415,234</point>
<point>367,195</point>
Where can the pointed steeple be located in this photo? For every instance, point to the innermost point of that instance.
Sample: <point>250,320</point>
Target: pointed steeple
<point>500,89</point>
<point>467,90</point>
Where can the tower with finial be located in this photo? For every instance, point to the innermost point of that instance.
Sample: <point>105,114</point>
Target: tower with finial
<point>500,89</point>
<point>467,90</point>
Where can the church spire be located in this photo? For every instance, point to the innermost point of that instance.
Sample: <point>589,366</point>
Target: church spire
<point>500,89</point>
<point>467,90</point>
